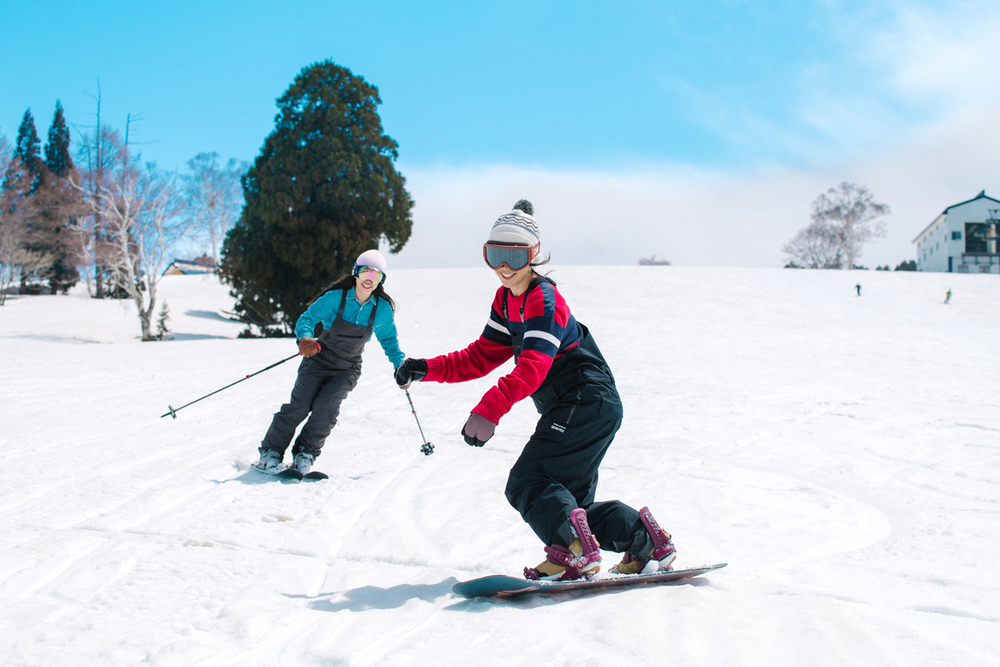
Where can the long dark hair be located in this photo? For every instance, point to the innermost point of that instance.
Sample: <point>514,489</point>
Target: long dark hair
<point>347,281</point>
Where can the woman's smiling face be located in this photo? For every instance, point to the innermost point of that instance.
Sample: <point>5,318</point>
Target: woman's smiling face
<point>515,281</point>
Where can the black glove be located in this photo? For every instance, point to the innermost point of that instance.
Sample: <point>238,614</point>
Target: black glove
<point>478,430</point>
<point>411,370</point>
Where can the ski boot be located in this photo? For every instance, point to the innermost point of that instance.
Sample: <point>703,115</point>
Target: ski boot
<point>581,560</point>
<point>269,463</point>
<point>659,556</point>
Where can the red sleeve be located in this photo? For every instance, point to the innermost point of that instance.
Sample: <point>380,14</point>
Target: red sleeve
<point>475,361</point>
<point>527,376</point>
<point>493,348</point>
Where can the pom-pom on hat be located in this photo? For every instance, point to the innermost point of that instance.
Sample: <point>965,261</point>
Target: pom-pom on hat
<point>517,226</point>
<point>372,258</point>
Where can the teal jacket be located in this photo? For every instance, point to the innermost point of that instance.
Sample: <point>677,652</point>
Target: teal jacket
<point>324,309</point>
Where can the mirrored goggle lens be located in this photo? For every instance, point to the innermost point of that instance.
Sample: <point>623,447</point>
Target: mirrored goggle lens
<point>369,273</point>
<point>516,257</point>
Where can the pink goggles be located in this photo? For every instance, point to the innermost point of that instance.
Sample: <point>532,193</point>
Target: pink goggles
<point>369,273</point>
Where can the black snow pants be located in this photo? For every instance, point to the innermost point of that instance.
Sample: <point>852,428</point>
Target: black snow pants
<point>316,398</point>
<point>557,471</point>
<point>323,382</point>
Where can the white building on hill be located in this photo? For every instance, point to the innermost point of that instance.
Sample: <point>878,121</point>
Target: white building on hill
<point>963,239</point>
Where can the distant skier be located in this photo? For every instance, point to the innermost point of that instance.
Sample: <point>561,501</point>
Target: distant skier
<point>858,287</point>
<point>349,310</point>
<point>947,296</point>
<point>553,482</point>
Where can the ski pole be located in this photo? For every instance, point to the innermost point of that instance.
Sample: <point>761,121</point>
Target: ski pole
<point>427,448</point>
<point>173,411</point>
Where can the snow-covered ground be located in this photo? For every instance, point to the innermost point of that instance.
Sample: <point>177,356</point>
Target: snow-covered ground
<point>841,453</point>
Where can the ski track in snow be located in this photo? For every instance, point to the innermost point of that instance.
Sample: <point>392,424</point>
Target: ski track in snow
<point>838,452</point>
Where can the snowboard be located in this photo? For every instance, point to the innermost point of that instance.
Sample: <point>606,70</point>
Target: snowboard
<point>503,586</point>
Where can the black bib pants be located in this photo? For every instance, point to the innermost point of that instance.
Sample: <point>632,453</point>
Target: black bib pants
<point>323,382</point>
<point>557,470</point>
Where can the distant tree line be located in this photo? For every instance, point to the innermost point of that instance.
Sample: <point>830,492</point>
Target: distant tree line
<point>323,190</point>
<point>107,212</point>
<point>38,209</point>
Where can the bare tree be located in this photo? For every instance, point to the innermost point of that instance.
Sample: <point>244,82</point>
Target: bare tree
<point>96,157</point>
<point>140,207</point>
<point>214,196</point>
<point>814,247</point>
<point>852,216</point>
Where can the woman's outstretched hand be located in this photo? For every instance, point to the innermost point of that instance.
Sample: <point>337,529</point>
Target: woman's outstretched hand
<point>410,371</point>
<point>478,430</point>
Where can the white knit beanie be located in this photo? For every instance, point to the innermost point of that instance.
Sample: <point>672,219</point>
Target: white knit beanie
<point>517,226</point>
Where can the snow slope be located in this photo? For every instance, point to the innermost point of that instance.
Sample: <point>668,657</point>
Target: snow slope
<point>841,453</point>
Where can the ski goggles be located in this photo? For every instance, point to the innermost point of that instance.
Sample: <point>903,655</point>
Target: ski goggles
<point>513,255</point>
<point>369,273</point>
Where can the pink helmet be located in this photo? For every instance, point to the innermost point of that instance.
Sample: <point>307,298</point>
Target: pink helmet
<point>372,258</point>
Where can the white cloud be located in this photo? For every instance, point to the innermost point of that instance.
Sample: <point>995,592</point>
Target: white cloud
<point>946,53</point>
<point>695,217</point>
<point>908,106</point>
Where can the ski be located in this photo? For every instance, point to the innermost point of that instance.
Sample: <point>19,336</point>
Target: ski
<point>503,586</point>
<point>292,473</point>
<point>289,473</point>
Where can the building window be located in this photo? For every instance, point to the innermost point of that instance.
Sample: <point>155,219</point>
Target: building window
<point>956,236</point>
<point>981,237</point>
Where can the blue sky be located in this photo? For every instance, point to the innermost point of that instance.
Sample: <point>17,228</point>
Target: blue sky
<point>678,116</point>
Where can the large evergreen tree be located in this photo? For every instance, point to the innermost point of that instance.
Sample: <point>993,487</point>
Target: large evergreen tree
<point>36,238</point>
<point>63,204</point>
<point>57,157</point>
<point>323,190</point>
<point>27,149</point>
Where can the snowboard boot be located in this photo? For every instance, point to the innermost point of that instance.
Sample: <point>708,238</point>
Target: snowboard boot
<point>303,462</point>
<point>581,560</point>
<point>270,461</point>
<point>658,551</point>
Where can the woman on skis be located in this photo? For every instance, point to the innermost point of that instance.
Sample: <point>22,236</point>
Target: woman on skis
<point>557,362</point>
<point>348,312</point>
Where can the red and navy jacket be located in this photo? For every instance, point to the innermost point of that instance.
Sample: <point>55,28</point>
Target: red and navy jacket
<point>535,328</point>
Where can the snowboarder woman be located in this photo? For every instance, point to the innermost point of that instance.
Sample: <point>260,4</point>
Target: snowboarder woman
<point>557,363</point>
<point>349,311</point>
